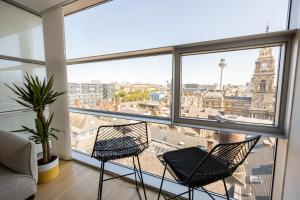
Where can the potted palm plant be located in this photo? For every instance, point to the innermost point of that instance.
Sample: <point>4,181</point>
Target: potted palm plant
<point>37,95</point>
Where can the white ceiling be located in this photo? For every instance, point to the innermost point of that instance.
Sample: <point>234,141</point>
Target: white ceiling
<point>37,6</point>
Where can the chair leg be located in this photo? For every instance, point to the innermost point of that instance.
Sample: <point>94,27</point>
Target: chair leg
<point>227,195</point>
<point>135,177</point>
<point>208,193</point>
<point>161,184</point>
<point>101,181</point>
<point>142,180</point>
<point>190,195</point>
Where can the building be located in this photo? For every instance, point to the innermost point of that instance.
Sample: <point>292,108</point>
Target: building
<point>263,86</point>
<point>90,95</point>
<point>237,105</point>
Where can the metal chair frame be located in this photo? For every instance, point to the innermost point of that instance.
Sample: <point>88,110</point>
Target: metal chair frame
<point>104,133</point>
<point>237,151</point>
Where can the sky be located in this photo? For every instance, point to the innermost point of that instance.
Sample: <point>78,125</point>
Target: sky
<point>204,68</point>
<point>127,25</point>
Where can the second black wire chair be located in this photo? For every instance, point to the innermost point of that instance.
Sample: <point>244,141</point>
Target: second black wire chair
<point>121,141</point>
<point>194,167</point>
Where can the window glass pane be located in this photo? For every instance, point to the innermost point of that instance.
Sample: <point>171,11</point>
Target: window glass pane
<point>14,120</point>
<point>119,25</point>
<point>252,180</point>
<point>138,86</point>
<point>234,85</point>
<point>13,72</point>
<point>21,33</point>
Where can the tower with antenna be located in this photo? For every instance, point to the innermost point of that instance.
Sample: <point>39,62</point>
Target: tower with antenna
<point>222,65</point>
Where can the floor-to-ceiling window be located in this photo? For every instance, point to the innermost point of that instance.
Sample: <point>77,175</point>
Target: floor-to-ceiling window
<point>171,63</point>
<point>21,52</point>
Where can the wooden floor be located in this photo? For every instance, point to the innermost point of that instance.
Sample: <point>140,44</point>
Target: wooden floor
<point>80,182</point>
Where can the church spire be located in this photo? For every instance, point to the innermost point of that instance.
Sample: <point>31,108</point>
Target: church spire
<point>265,52</point>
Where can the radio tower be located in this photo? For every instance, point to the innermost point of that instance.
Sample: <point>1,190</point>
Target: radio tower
<point>222,64</point>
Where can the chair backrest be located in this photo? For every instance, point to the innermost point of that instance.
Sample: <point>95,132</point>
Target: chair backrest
<point>225,158</point>
<point>138,131</point>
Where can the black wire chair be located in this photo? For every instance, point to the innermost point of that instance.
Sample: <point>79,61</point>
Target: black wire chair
<point>195,168</point>
<point>121,141</point>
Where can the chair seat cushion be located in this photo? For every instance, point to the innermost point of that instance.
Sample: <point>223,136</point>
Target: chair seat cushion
<point>117,148</point>
<point>184,161</point>
<point>14,186</point>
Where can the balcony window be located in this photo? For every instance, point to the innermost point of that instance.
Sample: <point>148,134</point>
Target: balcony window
<point>13,72</point>
<point>12,114</point>
<point>21,52</point>
<point>21,33</point>
<point>163,138</point>
<point>196,81</point>
<point>237,85</point>
<point>140,86</point>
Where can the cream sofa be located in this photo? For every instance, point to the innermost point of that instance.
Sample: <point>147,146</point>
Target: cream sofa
<point>18,167</point>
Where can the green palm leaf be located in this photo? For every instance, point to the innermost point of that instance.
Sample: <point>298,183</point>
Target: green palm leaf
<point>37,95</point>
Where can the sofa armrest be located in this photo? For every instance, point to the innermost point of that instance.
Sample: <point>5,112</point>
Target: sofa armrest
<point>18,154</point>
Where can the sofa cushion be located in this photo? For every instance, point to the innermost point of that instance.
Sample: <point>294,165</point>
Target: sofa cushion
<point>18,154</point>
<point>15,186</point>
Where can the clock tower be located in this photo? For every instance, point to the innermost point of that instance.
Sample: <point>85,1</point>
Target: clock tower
<point>263,86</point>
